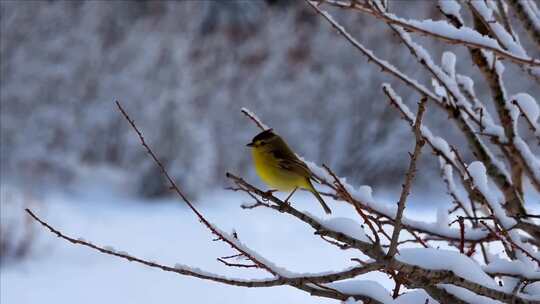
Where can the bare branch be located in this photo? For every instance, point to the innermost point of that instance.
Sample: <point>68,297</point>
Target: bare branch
<point>221,236</point>
<point>179,269</point>
<point>343,191</point>
<point>501,7</point>
<point>384,65</point>
<point>409,176</point>
<point>239,265</point>
<point>300,281</point>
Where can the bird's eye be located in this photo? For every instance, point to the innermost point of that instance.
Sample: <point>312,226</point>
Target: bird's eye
<point>262,143</point>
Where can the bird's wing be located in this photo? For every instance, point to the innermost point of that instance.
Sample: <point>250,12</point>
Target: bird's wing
<point>289,161</point>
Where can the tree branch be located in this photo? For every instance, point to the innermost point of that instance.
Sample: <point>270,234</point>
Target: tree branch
<point>418,27</point>
<point>409,176</point>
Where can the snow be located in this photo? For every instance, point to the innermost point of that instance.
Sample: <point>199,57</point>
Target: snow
<point>368,288</point>
<point>466,295</point>
<point>363,194</point>
<point>417,296</point>
<point>533,288</point>
<point>529,7</point>
<point>348,227</point>
<point>448,175</point>
<point>449,63</point>
<point>388,88</point>
<point>477,171</point>
<point>478,174</point>
<point>450,7</point>
<point>528,105</point>
<point>437,142</point>
<point>467,82</point>
<point>442,217</point>
<point>248,112</point>
<point>534,8</point>
<point>502,35</point>
<point>167,232</point>
<point>466,34</point>
<point>448,83</point>
<point>532,160</point>
<point>110,248</point>
<point>350,300</point>
<point>442,145</point>
<point>515,267</point>
<point>382,63</point>
<point>471,297</point>
<point>439,90</point>
<point>440,259</point>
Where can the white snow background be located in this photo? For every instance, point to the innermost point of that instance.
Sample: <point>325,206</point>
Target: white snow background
<point>165,231</point>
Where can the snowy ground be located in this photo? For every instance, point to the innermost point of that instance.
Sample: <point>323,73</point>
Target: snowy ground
<point>166,231</point>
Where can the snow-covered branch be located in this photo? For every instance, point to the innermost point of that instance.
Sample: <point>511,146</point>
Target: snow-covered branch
<point>530,19</point>
<point>452,259</point>
<point>443,31</point>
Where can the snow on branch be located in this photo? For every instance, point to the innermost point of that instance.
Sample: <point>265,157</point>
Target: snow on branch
<point>496,169</point>
<point>254,118</point>
<point>445,32</point>
<point>384,65</point>
<point>178,268</point>
<point>487,192</point>
<point>530,19</point>
<point>486,287</point>
<point>292,279</point>
<point>413,268</point>
<point>230,240</point>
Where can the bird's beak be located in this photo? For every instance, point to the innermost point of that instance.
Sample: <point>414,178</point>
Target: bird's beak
<point>250,145</point>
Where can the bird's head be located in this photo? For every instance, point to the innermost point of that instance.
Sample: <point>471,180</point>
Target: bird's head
<point>263,139</point>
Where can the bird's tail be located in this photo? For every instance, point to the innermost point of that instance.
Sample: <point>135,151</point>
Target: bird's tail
<point>319,198</point>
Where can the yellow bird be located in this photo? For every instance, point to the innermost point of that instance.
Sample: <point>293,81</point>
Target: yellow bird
<point>278,166</point>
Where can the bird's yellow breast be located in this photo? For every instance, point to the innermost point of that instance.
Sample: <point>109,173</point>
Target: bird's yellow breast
<point>268,169</point>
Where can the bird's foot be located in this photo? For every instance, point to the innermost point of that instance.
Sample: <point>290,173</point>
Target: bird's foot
<point>289,196</point>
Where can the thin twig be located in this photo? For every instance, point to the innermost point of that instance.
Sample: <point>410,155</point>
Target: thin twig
<point>531,125</point>
<point>390,19</point>
<point>341,189</point>
<point>239,265</point>
<point>177,269</point>
<point>462,234</point>
<point>409,177</point>
<point>254,118</point>
<point>199,215</point>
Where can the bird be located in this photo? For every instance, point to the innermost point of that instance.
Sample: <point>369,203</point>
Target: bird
<point>279,167</point>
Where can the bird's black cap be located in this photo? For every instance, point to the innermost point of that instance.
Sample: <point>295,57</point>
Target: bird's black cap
<point>266,134</point>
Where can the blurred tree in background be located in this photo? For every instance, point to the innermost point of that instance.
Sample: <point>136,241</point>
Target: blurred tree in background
<point>188,67</point>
